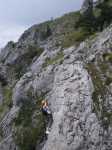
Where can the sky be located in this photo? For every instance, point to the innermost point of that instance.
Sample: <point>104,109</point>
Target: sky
<point>18,15</point>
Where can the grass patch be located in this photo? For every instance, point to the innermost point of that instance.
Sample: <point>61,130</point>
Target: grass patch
<point>55,60</point>
<point>7,103</point>
<point>3,110</point>
<point>7,91</point>
<point>75,37</point>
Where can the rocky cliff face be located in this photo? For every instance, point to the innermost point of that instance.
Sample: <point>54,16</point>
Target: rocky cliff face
<point>76,81</point>
<point>87,6</point>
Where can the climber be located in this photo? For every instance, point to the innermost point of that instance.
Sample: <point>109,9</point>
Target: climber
<point>47,112</point>
<point>45,108</point>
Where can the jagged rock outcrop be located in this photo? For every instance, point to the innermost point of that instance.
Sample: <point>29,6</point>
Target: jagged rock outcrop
<point>72,92</point>
<point>87,7</point>
<point>77,83</point>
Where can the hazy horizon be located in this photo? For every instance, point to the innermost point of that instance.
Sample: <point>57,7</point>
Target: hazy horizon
<point>18,15</point>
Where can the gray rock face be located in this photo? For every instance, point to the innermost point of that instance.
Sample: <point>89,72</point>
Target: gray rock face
<point>6,123</point>
<point>8,144</point>
<point>75,125</point>
<point>6,128</point>
<point>70,103</point>
<point>63,78</point>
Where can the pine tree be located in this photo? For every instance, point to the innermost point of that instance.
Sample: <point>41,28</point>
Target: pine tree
<point>87,20</point>
<point>105,17</point>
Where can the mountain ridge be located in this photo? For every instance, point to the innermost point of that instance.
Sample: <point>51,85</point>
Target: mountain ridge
<point>71,68</point>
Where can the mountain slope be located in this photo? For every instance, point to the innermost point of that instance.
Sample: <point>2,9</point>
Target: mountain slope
<point>75,78</point>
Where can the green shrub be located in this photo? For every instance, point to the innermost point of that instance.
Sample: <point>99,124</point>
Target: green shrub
<point>34,51</point>
<point>7,91</point>
<point>3,110</point>
<point>105,17</point>
<point>29,126</point>
<point>97,12</point>
<point>100,82</point>
<point>107,57</point>
<point>108,80</point>
<point>11,44</point>
<point>95,18</point>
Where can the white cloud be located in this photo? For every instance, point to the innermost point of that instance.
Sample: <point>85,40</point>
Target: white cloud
<point>10,33</point>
